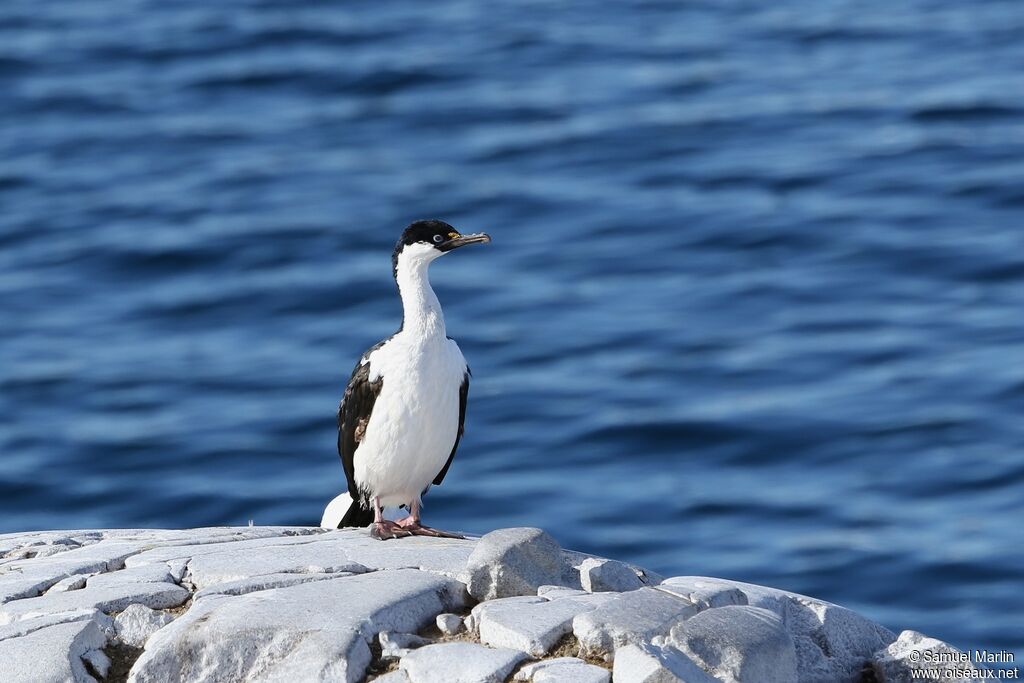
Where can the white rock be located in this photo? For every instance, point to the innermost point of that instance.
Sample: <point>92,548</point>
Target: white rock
<point>262,583</point>
<point>312,557</point>
<point>607,575</point>
<point>106,598</point>
<point>528,623</point>
<point>703,592</point>
<point>650,664</point>
<point>343,550</point>
<point>512,562</point>
<point>155,573</point>
<point>460,663</point>
<point>563,670</point>
<point>273,598</point>
<point>26,626</point>
<point>635,617</point>
<point>832,643</point>
<point>99,662</point>
<point>739,644</point>
<point>137,623</point>
<point>397,645</point>
<point>178,568</point>
<point>396,676</point>
<point>311,631</point>
<point>105,551</point>
<point>472,623</point>
<point>449,624</point>
<point>53,654</point>
<point>71,583</point>
<point>932,659</point>
<point>240,538</point>
<point>30,577</point>
<point>556,592</point>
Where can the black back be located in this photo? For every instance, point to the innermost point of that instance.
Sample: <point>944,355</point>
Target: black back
<point>353,416</point>
<point>463,398</point>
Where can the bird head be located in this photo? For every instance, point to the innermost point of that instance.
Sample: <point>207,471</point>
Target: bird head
<point>424,241</point>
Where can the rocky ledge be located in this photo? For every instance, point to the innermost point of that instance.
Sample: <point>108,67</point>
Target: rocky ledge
<point>305,604</point>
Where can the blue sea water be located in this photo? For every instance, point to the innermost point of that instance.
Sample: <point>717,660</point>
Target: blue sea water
<point>752,309</point>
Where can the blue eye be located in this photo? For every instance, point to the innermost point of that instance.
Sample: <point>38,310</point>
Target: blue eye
<point>438,238</point>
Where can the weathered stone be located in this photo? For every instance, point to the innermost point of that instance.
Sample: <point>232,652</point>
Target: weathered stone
<point>232,564</point>
<point>398,645</point>
<point>633,617</point>
<point>106,551</point>
<point>53,654</point>
<point>105,598</point>
<point>563,670</point>
<point>651,664</point>
<point>26,626</point>
<point>184,548</point>
<point>30,577</point>
<point>262,583</point>
<point>350,550</point>
<point>71,583</point>
<point>155,573</point>
<point>449,624</point>
<point>137,623</point>
<point>396,676</point>
<point>832,643</point>
<point>271,604</point>
<point>177,568</point>
<point>916,657</point>
<point>607,575</point>
<point>556,592</point>
<point>739,644</point>
<point>98,662</point>
<point>460,663</point>
<point>512,562</point>
<point>530,624</point>
<point>472,623</point>
<point>311,631</point>
<point>702,592</point>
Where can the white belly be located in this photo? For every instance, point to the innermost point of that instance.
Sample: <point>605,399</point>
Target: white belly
<point>415,419</point>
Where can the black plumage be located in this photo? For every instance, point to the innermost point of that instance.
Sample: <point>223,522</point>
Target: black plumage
<point>353,415</point>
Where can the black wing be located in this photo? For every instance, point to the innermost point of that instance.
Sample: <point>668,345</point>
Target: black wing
<point>463,395</point>
<point>353,416</point>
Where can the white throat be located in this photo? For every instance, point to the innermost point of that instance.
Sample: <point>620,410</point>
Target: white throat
<point>422,315</point>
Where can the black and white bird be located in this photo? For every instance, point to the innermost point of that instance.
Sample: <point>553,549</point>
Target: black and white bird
<point>402,415</point>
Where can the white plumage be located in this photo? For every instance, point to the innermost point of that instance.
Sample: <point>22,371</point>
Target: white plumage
<point>416,417</point>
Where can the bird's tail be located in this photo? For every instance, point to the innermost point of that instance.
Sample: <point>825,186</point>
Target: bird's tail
<point>343,511</point>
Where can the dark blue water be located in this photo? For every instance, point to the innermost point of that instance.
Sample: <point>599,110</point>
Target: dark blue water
<point>753,306</point>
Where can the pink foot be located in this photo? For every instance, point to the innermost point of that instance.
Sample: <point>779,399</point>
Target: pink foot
<point>385,529</point>
<point>407,522</point>
<point>418,529</point>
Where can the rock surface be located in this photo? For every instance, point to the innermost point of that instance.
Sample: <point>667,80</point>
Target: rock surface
<point>629,618</point>
<point>290,604</point>
<point>563,670</point>
<point>739,644</point>
<point>136,624</point>
<point>607,575</point>
<point>649,663</point>
<point>511,562</point>
<point>460,663</point>
<point>913,656</point>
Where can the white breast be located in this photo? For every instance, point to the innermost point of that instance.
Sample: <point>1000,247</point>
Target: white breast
<point>415,419</point>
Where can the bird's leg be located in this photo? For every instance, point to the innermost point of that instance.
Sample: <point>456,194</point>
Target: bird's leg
<point>412,524</point>
<point>383,529</point>
<point>411,519</point>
